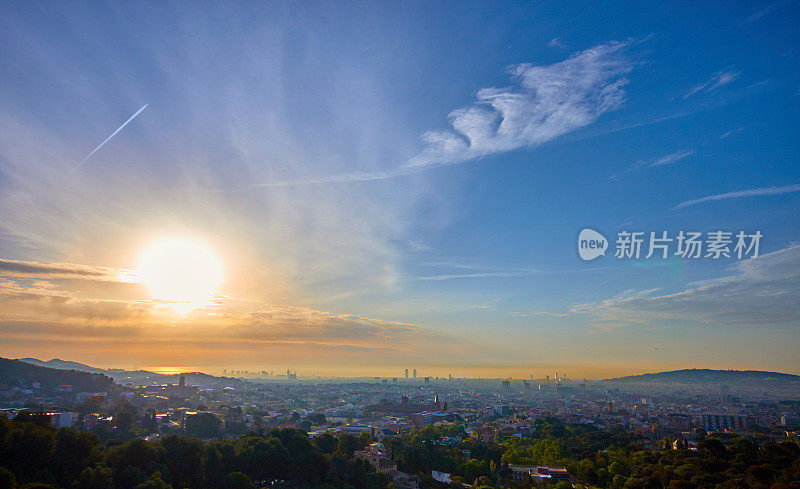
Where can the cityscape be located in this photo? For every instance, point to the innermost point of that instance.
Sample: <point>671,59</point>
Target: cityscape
<point>442,431</point>
<point>399,245</point>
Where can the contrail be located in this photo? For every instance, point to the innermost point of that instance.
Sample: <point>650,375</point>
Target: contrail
<point>108,138</point>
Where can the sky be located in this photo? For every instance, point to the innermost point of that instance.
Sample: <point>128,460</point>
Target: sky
<point>399,185</point>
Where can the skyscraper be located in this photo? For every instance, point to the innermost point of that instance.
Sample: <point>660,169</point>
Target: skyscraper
<point>415,373</point>
<point>406,373</point>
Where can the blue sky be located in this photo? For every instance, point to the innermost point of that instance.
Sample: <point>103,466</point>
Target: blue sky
<point>381,180</point>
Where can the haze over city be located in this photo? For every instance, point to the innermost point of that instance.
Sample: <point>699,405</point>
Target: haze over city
<point>353,189</point>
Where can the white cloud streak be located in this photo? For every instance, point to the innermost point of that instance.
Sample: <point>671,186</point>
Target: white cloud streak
<point>672,157</point>
<point>662,161</point>
<point>763,291</point>
<point>475,275</point>
<point>107,139</point>
<point>756,192</point>
<point>758,15</point>
<point>716,82</point>
<point>543,103</point>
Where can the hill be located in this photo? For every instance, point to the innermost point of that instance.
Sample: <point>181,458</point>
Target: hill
<point>16,372</point>
<point>135,377</point>
<point>708,376</point>
<point>59,364</point>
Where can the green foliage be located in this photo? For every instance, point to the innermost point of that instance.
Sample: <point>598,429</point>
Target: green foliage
<point>36,455</point>
<point>95,478</point>
<point>527,451</point>
<point>238,480</point>
<point>7,479</point>
<point>202,425</point>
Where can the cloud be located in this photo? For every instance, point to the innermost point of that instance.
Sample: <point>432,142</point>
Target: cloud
<point>473,271</point>
<point>716,82</point>
<point>672,157</point>
<point>47,310</point>
<point>32,269</point>
<point>475,275</point>
<point>731,133</point>
<point>763,291</point>
<point>555,43</point>
<point>301,324</point>
<point>543,103</point>
<point>664,160</point>
<point>741,193</point>
<point>758,15</point>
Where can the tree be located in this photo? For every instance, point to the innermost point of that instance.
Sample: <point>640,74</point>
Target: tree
<point>95,478</point>
<point>202,425</point>
<point>7,479</point>
<point>123,424</point>
<point>73,452</point>
<point>325,443</point>
<point>364,439</point>
<point>238,480</point>
<point>37,418</point>
<point>154,482</point>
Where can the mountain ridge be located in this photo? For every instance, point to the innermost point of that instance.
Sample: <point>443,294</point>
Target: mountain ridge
<point>702,375</point>
<point>705,375</point>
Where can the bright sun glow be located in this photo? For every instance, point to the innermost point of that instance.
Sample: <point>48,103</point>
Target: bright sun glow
<point>182,272</point>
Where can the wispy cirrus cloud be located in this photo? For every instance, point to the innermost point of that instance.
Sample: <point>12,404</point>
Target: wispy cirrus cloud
<point>758,15</point>
<point>714,83</point>
<point>32,269</point>
<point>672,158</point>
<point>454,276</point>
<point>661,161</point>
<point>763,291</point>
<point>756,192</point>
<point>542,103</point>
<point>468,271</point>
<point>731,132</point>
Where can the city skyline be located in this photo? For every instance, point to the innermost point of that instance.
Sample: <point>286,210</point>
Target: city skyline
<point>365,189</point>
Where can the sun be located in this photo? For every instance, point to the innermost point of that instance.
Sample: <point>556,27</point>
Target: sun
<point>182,272</point>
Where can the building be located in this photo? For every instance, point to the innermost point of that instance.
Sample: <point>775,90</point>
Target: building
<point>722,422</point>
<point>63,420</point>
<point>503,410</point>
<point>415,373</point>
<point>406,374</point>
<point>380,461</point>
<point>679,422</point>
<point>377,457</point>
<point>789,420</point>
<point>527,474</point>
<point>422,419</point>
<point>357,429</point>
<point>401,480</point>
<point>442,477</point>
<point>83,396</point>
